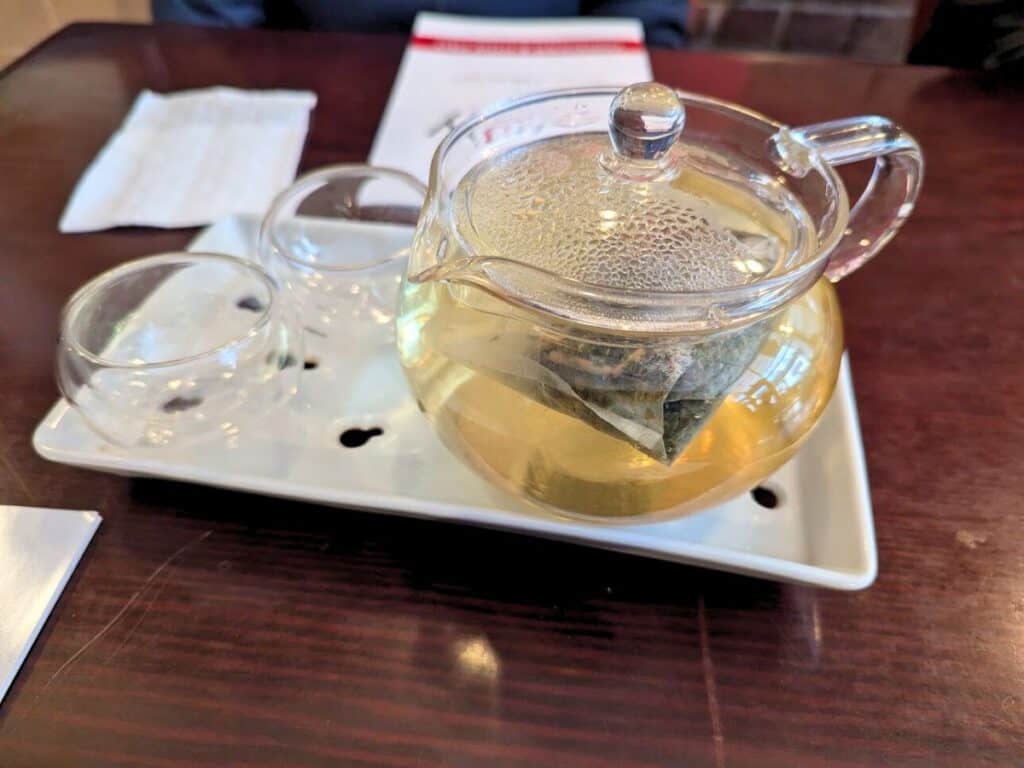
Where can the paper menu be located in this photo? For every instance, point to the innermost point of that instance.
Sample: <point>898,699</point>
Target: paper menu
<point>39,550</point>
<point>454,66</point>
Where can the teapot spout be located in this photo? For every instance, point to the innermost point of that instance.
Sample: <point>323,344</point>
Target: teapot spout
<point>511,281</point>
<point>450,271</point>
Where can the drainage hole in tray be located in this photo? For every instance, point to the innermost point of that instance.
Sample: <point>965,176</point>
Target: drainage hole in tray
<point>311,364</point>
<point>355,437</point>
<point>250,303</point>
<point>766,497</point>
<point>179,404</point>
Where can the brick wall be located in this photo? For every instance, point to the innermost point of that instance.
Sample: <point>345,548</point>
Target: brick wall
<point>876,30</point>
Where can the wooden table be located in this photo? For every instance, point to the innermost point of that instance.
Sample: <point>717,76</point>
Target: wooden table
<point>207,628</point>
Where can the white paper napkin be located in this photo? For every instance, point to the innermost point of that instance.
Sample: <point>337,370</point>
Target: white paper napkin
<point>39,549</point>
<point>190,158</point>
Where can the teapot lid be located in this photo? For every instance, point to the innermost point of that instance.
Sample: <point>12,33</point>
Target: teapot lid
<point>635,209</point>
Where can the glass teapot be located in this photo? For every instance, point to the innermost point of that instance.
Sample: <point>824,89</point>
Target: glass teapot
<point>619,304</point>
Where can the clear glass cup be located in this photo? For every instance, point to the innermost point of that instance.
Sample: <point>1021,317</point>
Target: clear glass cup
<point>170,349</point>
<point>338,240</point>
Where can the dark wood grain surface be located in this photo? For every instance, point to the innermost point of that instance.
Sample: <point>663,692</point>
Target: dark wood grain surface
<point>207,628</point>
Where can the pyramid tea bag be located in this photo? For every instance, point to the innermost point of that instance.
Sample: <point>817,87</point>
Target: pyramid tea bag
<point>656,397</point>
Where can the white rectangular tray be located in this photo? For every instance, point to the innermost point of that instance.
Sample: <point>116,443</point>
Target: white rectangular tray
<point>820,532</point>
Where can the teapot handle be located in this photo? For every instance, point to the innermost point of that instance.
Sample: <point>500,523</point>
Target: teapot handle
<point>890,194</point>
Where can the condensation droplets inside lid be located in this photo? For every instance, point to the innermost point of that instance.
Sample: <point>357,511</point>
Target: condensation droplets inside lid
<point>638,208</point>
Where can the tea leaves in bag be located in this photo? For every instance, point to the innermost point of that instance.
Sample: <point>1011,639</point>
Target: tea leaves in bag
<point>656,397</point>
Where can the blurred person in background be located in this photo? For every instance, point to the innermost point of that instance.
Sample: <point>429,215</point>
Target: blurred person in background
<point>664,20</point>
<point>974,34</point>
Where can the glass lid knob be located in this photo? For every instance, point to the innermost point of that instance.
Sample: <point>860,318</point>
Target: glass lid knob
<point>645,120</point>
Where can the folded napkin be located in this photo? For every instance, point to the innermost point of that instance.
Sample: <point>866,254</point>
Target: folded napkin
<point>190,158</point>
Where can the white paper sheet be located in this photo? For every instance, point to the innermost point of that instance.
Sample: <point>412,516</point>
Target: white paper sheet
<point>193,157</point>
<point>454,66</point>
<point>39,549</point>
